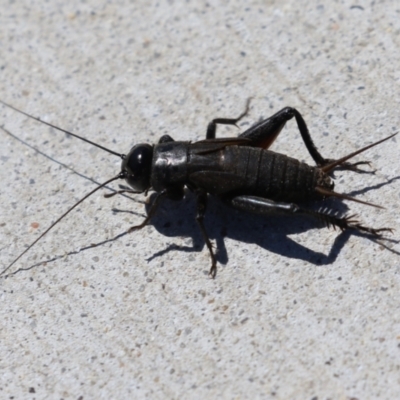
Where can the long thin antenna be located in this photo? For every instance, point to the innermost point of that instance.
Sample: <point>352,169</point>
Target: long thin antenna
<point>119,176</point>
<point>62,130</point>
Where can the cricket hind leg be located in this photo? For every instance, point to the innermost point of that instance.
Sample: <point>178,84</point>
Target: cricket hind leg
<point>212,126</point>
<point>262,206</point>
<point>264,133</point>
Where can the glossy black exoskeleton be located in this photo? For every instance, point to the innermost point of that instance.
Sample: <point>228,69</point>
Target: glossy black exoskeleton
<point>240,170</point>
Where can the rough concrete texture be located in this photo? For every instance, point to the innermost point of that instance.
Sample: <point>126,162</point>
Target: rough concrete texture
<point>297,311</point>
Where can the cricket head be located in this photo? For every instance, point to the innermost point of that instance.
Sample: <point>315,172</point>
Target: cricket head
<point>136,167</point>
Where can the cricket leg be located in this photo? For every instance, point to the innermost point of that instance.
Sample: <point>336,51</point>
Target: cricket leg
<point>259,205</point>
<point>108,195</point>
<point>264,133</point>
<point>166,139</point>
<point>201,210</point>
<point>151,212</point>
<point>212,126</point>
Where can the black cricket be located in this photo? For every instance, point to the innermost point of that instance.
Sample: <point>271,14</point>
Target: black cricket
<point>240,170</point>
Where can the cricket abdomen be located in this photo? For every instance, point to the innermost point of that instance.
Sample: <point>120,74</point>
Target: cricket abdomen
<point>275,176</point>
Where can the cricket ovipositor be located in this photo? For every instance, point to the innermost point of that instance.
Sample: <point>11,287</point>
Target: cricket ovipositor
<point>239,170</point>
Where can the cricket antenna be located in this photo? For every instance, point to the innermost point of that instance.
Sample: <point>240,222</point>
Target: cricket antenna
<point>119,176</point>
<point>62,130</point>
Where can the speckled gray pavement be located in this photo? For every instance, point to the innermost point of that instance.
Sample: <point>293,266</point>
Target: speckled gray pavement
<point>297,311</point>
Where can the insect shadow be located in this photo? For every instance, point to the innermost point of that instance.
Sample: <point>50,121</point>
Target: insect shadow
<point>270,233</point>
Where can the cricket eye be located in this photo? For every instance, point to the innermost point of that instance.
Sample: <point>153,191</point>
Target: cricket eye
<point>137,166</point>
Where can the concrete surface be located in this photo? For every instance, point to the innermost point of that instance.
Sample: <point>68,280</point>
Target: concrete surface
<point>297,311</point>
